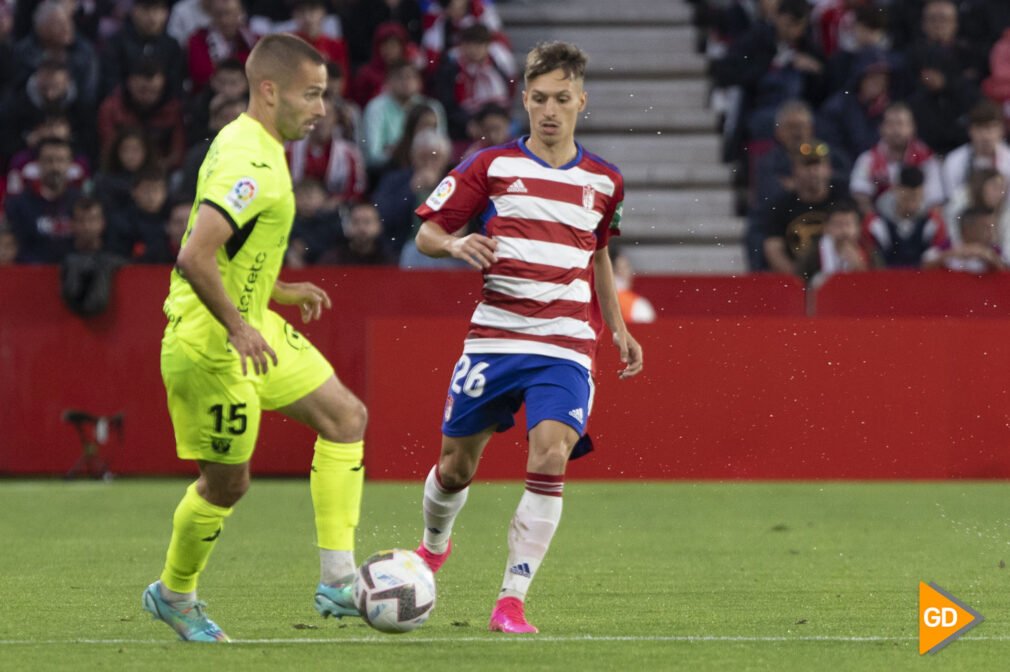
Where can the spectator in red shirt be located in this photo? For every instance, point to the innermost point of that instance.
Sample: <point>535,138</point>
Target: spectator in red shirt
<point>330,156</point>
<point>978,252</point>
<point>24,172</point>
<point>997,86</point>
<point>445,18</point>
<point>227,36</point>
<point>468,78</point>
<point>146,102</point>
<point>367,16</point>
<point>389,45</point>
<point>309,15</point>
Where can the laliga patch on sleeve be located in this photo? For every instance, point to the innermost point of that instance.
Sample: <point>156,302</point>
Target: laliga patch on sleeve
<point>242,194</point>
<point>442,192</point>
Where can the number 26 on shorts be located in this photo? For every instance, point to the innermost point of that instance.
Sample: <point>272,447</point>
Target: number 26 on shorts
<point>469,381</point>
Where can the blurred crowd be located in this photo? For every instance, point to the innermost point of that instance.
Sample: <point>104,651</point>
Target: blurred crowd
<point>865,133</point>
<point>108,107</point>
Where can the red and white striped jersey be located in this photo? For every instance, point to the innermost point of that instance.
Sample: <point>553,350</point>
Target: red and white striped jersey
<point>538,297</point>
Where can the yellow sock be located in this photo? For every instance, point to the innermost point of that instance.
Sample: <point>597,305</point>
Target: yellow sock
<point>195,528</point>
<point>336,480</point>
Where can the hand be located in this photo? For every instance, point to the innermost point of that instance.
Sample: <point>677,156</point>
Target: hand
<point>631,354</point>
<point>807,63</point>
<point>852,256</point>
<point>250,343</point>
<point>989,256</point>
<point>475,249</point>
<point>309,298</point>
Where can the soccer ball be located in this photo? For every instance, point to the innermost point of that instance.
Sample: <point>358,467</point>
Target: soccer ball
<point>394,591</point>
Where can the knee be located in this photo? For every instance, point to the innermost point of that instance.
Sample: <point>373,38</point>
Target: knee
<point>346,423</point>
<point>358,418</point>
<point>456,470</point>
<point>550,459</point>
<point>226,493</point>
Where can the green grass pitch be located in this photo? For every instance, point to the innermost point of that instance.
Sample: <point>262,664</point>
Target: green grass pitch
<point>641,576</point>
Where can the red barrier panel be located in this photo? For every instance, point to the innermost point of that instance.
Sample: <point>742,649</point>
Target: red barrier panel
<point>760,397</point>
<point>915,294</point>
<point>723,295</point>
<point>51,360</point>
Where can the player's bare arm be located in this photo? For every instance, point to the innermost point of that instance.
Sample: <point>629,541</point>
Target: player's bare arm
<point>309,298</point>
<point>198,264</point>
<point>606,292</point>
<point>475,249</point>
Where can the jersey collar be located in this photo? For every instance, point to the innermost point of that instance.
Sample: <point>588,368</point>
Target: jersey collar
<point>571,164</point>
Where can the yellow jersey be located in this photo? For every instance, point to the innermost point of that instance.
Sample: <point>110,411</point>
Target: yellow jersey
<point>244,177</point>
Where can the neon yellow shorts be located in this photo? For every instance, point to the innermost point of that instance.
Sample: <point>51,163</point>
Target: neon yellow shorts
<point>216,414</point>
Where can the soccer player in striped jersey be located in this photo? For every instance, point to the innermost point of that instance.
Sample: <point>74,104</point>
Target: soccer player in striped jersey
<point>548,208</point>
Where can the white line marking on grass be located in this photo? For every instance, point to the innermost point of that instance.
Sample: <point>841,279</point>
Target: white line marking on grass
<point>496,639</point>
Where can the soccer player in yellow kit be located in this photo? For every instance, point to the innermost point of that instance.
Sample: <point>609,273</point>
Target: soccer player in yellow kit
<point>226,357</point>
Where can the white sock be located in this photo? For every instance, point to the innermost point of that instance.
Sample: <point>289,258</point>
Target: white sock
<point>533,525</point>
<point>441,506</point>
<point>335,566</point>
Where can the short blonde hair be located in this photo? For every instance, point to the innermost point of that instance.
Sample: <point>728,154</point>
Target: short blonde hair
<point>275,56</point>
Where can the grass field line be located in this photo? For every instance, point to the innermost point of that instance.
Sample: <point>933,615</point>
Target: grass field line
<point>497,640</point>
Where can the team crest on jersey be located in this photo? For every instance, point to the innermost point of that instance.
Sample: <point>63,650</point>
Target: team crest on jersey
<point>442,193</point>
<point>588,197</point>
<point>242,194</point>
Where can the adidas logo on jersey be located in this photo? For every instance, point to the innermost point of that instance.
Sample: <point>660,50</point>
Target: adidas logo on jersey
<point>517,187</point>
<point>522,569</point>
<point>577,414</point>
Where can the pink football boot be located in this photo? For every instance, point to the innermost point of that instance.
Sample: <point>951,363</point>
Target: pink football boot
<point>508,616</point>
<point>433,560</point>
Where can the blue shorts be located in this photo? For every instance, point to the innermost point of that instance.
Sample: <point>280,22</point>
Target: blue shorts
<point>487,391</point>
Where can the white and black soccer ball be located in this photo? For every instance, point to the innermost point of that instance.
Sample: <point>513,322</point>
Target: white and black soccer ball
<point>394,591</point>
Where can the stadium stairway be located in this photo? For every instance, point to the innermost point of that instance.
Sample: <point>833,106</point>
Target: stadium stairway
<point>647,113</point>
